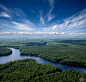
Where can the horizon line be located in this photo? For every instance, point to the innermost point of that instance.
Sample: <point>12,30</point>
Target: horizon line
<point>45,33</point>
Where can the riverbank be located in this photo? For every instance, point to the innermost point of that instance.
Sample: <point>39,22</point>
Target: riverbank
<point>28,70</point>
<point>16,55</point>
<point>71,51</point>
<point>67,55</point>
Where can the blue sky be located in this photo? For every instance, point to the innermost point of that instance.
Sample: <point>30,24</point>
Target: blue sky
<point>62,16</point>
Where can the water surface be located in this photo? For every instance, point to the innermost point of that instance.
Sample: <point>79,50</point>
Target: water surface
<point>16,55</point>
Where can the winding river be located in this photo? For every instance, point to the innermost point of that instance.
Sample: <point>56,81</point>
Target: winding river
<point>16,55</point>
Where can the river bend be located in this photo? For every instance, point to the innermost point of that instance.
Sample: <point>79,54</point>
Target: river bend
<point>16,55</point>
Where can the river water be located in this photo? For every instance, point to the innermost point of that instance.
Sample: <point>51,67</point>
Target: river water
<point>16,55</point>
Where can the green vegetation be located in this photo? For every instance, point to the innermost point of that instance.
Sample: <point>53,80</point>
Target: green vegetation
<point>20,70</point>
<point>68,52</point>
<point>16,43</point>
<point>65,51</point>
<point>28,70</point>
<point>5,51</point>
<point>70,75</point>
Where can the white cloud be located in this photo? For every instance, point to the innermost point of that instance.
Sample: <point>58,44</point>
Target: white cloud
<point>4,14</point>
<point>76,21</point>
<point>45,33</point>
<point>23,26</point>
<point>42,19</point>
<point>16,11</point>
<point>49,15</point>
<point>54,27</point>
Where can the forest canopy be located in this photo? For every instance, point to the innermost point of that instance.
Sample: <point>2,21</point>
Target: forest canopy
<point>65,51</point>
<point>28,70</point>
<point>5,51</point>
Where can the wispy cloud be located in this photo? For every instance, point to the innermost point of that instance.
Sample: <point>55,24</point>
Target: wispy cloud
<point>42,19</point>
<point>49,15</point>
<point>76,21</point>
<point>24,25</point>
<point>18,12</point>
<point>11,12</point>
<point>4,8</point>
<point>33,11</point>
<point>51,2</point>
<point>4,14</point>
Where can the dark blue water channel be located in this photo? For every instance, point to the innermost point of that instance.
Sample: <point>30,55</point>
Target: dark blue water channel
<point>16,55</point>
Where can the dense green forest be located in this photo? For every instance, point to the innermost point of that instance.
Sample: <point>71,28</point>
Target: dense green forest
<point>65,51</point>
<point>69,52</point>
<point>28,70</point>
<point>5,51</point>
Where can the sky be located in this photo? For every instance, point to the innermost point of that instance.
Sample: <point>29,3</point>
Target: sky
<point>43,16</point>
